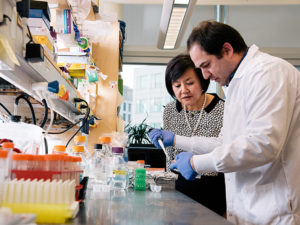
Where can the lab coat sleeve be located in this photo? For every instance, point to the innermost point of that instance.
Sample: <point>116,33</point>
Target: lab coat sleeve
<point>198,144</point>
<point>268,103</point>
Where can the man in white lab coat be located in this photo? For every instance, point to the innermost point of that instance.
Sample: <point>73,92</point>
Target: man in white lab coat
<point>259,146</point>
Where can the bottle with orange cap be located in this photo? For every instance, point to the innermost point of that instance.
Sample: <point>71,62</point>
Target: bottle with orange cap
<point>59,149</point>
<point>106,145</point>
<point>79,151</point>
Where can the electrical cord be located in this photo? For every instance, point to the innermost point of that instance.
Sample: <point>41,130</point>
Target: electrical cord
<point>3,106</point>
<point>4,19</point>
<point>84,120</point>
<point>61,132</point>
<point>45,113</point>
<point>25,97</point>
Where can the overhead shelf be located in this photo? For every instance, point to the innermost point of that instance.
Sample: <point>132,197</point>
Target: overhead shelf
<point>27,73</point>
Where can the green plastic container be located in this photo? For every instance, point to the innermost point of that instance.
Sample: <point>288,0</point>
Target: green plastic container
<point>140,179</point>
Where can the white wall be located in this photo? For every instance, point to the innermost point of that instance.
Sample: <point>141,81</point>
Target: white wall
<point>274,27</point>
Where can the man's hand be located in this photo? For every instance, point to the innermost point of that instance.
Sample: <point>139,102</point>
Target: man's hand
<point>166,136</point>
<point>183,165</point>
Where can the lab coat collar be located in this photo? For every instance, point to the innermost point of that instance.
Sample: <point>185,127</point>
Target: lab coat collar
<point>251,52</point>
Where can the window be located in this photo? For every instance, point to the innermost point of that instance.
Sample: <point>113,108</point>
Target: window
<point>156,105</point>
<point>141,81</point>
<point>157,80</point>
<point>124,116</point>
<point>156,125</point>
<point>124,107</point>
<point>149,94</point>
<point>140,106</point>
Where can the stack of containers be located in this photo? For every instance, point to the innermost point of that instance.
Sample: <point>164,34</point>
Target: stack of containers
<point>54,166</point>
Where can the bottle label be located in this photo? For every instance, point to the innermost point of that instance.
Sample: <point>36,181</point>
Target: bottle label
<point>119,172</point>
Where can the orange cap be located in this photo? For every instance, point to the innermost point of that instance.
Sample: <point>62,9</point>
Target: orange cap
<point>3,154</point>
<point>104,139</point>
<point>8,145</point>
<point>78,148</point>
<point>141,161</point>
<point>59,148</point>
<point>79,138</point>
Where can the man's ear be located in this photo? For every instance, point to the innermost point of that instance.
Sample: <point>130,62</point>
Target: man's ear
<point>227,49</point>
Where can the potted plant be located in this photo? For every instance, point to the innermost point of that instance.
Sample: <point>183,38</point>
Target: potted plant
<point>140,146</point>
<point>138,134</point>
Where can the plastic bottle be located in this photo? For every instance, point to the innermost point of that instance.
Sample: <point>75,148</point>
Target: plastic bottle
<point>119,172</point>
<point>81,140</point>
<point>106,145</point>
<point>141,163</point>
<point>78,151</point>
<point>59,149</point>
<point>98,165</point>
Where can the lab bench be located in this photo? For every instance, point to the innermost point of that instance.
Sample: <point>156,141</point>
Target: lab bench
<point>143,208</point>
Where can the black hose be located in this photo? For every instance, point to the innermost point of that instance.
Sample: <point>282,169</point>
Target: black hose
<point>45,113</point>
<point>25,97</point>
<point>85,119</point>
<point>46,145</point>
<point>61,132</point>
<point>5,109</point>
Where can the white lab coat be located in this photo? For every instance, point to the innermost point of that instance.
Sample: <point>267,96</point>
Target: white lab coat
<point>259,148</point>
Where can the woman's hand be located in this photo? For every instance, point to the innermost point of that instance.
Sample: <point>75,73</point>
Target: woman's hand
<point>166,136</point>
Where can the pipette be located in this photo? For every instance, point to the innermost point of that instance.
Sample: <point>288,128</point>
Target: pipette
<point>160,142</point>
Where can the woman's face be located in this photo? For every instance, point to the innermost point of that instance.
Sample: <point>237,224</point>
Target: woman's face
<point>187,88</point>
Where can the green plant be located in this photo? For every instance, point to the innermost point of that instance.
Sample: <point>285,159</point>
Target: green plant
<point>138,134</point>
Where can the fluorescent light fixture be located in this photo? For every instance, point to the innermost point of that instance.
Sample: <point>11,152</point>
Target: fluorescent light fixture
<point>174,20</point>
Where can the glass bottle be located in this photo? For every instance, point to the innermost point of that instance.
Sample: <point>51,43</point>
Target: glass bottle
<point>119,172</point>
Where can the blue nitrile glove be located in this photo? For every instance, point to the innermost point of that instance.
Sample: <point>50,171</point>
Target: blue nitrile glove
<point>166,136</point>
<point>183,165</point>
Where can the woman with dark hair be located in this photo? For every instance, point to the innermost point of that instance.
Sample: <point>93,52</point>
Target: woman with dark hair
<point>194,113</point>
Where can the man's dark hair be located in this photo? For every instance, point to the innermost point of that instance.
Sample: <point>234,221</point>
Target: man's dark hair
<point>211,36</point>
<point>177,67</point>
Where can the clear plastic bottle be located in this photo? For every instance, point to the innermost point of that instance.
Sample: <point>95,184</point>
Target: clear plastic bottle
<point>106,145</point>
<point>79,151</point>
<point>119,172</point>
